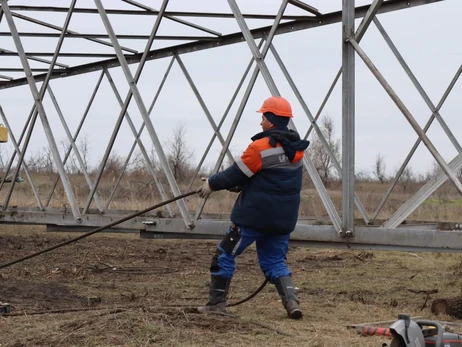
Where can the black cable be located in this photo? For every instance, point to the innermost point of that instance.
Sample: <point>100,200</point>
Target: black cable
<point>136,214</point>
<point>259,289</point>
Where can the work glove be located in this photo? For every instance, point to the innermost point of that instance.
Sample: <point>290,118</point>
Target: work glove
<point>204,190</point>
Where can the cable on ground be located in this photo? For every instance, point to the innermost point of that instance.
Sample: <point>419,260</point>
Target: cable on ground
<point>110,225</point>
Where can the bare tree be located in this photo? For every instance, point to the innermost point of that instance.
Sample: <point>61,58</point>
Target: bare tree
<point>84,149</point>
<point>406,179</point>
<point>41,161</point>
<point>178,152</point>
<point>380,168</point>
<point>362,175</point>
<point>434,170</point>
<point>136,163</point>
<point>114,165</point>
<point>319,155</point>
<point>72,163</point>
<point>48,160</point>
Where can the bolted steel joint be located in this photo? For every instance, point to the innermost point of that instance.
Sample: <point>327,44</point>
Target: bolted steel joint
<point>345,233</point>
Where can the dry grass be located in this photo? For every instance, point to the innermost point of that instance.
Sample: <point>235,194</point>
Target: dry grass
<point>138,192</point>
<point>337,288</point>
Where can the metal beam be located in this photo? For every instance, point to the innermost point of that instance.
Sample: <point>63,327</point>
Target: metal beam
<point>152,12</point>
<point>140,144</point>
<point>283,28</point>
<point>30,56</point>
<point>74,146</point>
<point>444,166</point>
<point>417,143</point>
<point>203,105</point>
<point>305,7</point>
<point>133,91</point>
<point>38,97</point>
<point>26,169</point>
<point>348,118</point>
<point>76,134</point>
<point>319,133</point>
<point>32,69</point>
<point>223,118</point>
<point>418,86</point>
<point>417,238</point>
<point>422,194</point>
<point>262,67</point>
<point>371,238</point>
<point>119,36</point>
<point>174,19</point>
<point>241,107</point>
<point>55,27</point>
<point>31,118</point>
<point>323,103</point>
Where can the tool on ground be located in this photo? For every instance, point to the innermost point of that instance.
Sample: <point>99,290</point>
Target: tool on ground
<point>421,333</point>
<point>368,330</point>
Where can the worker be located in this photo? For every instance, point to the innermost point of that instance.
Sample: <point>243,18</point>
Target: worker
<point>269,178</point>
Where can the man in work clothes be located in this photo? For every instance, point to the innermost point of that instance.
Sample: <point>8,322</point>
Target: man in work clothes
<point>269,177</point>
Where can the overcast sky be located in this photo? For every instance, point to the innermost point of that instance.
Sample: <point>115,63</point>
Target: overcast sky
<point>428,38</point>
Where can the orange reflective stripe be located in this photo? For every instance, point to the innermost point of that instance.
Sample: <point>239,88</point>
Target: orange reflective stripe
<point>251,159</point>
<point>298,156</point>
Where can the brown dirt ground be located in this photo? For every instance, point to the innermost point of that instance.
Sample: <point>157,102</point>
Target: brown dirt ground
<point>120,290</point>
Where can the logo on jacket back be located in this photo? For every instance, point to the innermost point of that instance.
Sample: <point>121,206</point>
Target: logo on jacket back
<point>283,158</point>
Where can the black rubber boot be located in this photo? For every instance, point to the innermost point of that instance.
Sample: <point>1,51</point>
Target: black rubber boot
<point>219,288</point>
<point>286,290</point>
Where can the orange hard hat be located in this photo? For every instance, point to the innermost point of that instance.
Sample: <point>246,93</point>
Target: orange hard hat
<point>277,105</point>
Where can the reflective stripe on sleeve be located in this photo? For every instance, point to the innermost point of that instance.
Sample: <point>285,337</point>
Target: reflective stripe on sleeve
<point>272,151</point>
<point>244,168</point>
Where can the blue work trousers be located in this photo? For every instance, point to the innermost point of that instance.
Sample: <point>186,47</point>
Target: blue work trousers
<point>271,251</point>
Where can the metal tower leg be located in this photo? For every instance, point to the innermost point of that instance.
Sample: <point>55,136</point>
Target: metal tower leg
<point>136,94</point>
<point>348,117</point>
<point>141,147</point>
<point>26,170</point>
<point>444,166</point>
<point>38,97</point>
<point>74,146</point>
<point>76,134</point>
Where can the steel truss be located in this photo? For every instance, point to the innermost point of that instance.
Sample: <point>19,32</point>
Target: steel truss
<point>342,231</point>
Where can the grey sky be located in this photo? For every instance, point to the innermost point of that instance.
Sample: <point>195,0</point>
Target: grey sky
<point>426,36</point>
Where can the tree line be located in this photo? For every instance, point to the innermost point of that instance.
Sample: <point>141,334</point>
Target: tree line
<point>181,160</point>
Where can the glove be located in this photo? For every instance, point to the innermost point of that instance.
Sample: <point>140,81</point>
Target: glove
<point>204,190</point>
<point>235,189</point>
